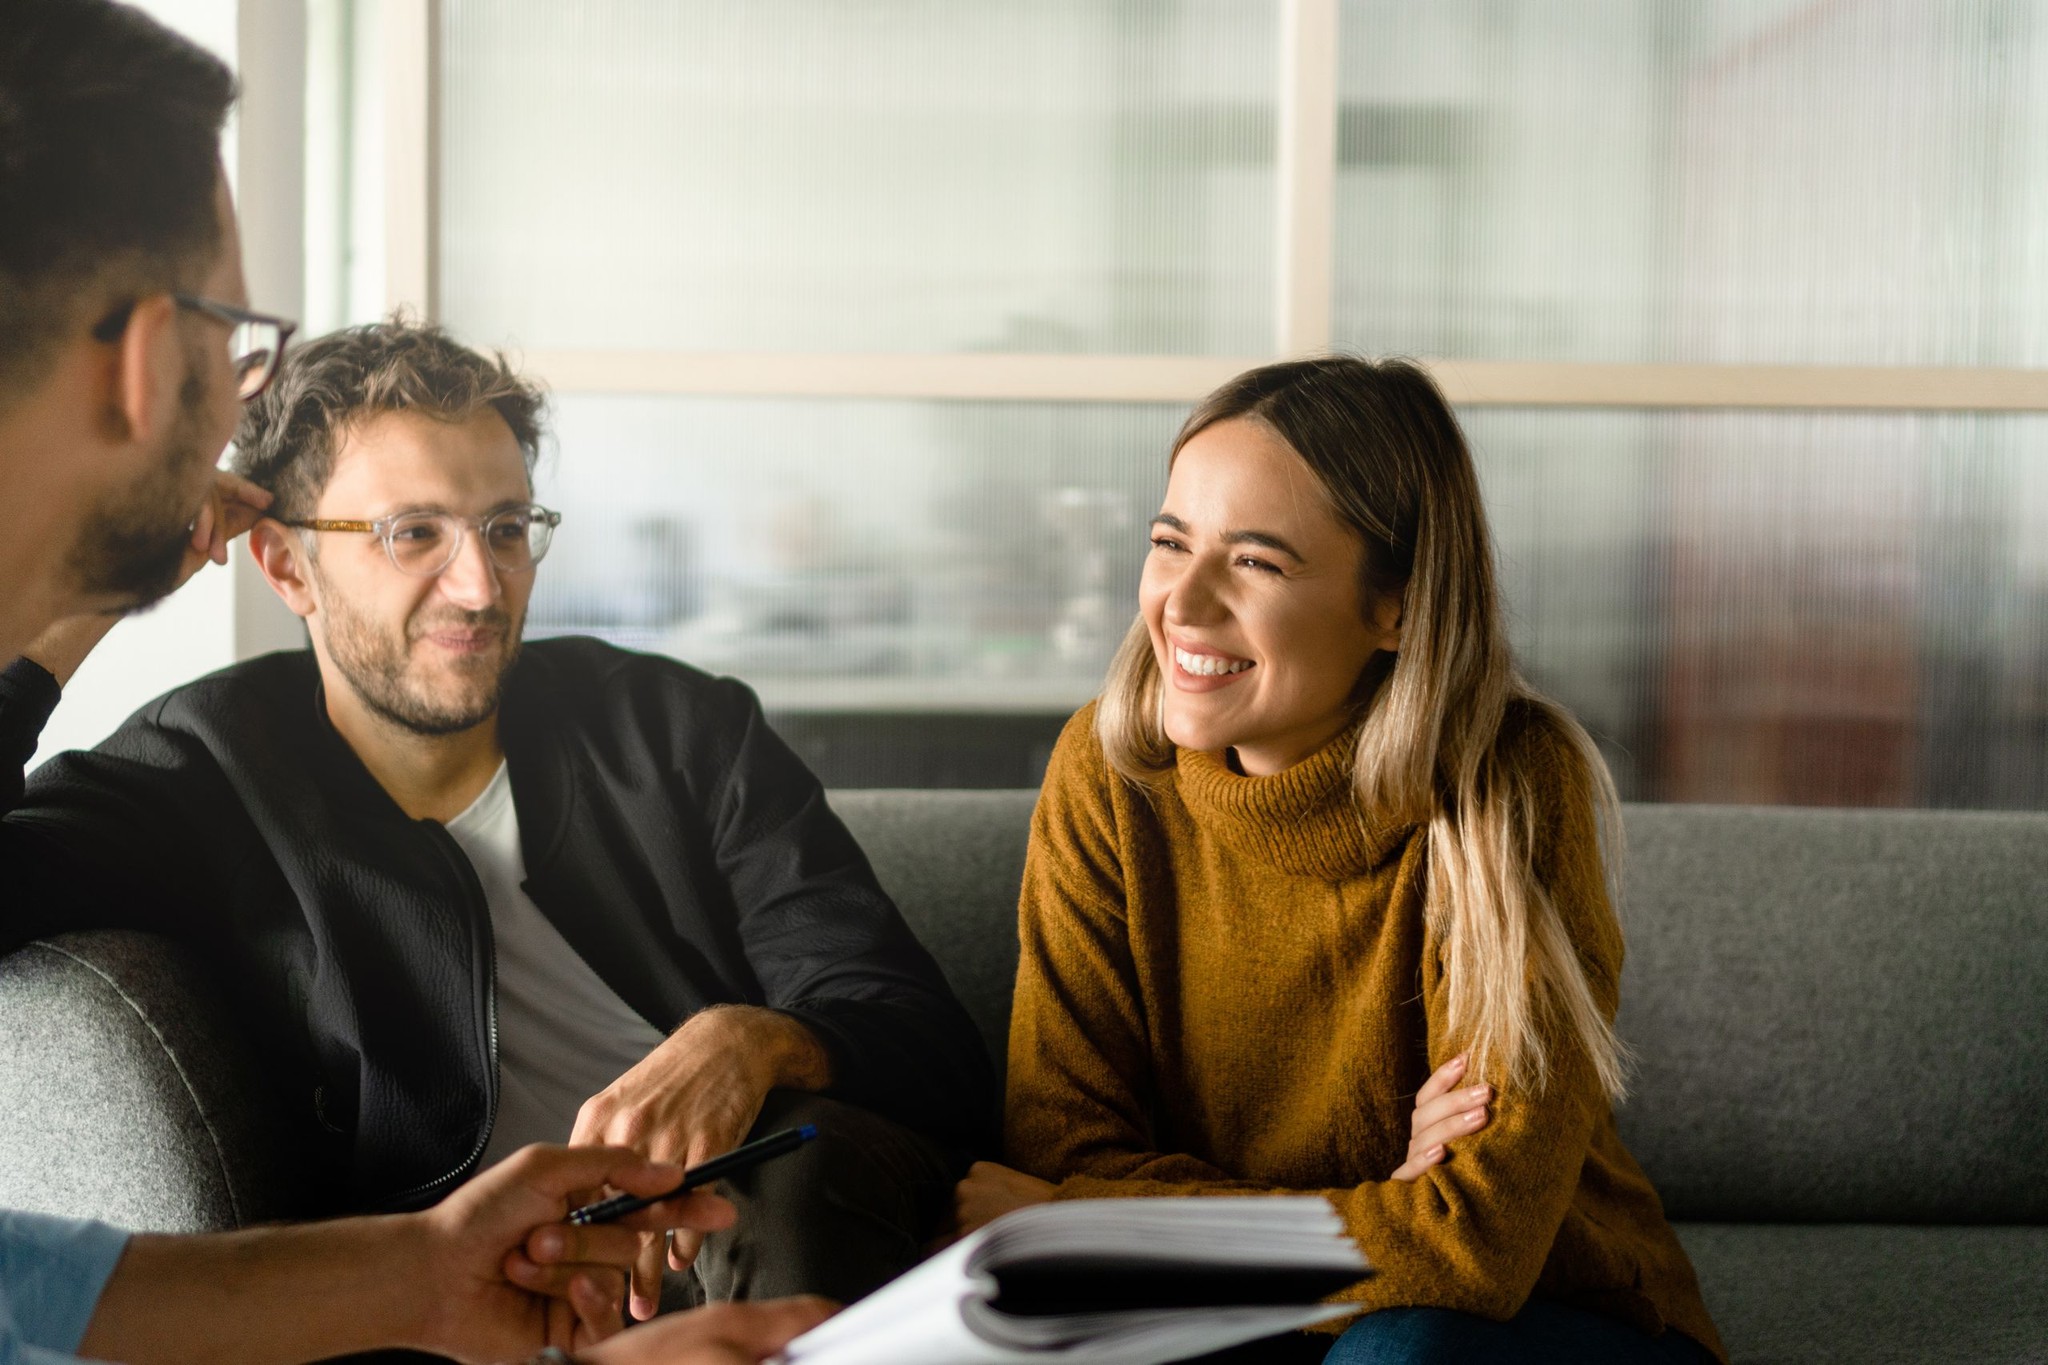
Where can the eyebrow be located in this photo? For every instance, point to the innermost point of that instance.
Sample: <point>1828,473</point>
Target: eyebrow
<point>1262,538</point>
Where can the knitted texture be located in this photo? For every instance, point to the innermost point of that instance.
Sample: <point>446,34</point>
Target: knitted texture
<point>1227,987</point>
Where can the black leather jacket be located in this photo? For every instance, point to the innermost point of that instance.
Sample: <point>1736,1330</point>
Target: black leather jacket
<point>670,836</point>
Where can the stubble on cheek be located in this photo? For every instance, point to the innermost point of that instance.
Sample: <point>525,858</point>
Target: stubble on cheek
<point>403,677</point>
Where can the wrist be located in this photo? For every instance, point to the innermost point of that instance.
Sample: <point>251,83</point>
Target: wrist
<point>414,1262</point>
<point>780,1052</point>
<point>61,648</point>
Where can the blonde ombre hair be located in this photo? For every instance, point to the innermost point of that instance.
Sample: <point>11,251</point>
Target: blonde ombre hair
<point>1387,451</point>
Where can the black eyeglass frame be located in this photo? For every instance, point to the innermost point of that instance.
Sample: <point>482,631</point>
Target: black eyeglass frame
<point>110,327</point>
<point>382,528</point>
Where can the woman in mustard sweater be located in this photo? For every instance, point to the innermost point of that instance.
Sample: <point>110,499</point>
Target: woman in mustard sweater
<point>1315,840</point>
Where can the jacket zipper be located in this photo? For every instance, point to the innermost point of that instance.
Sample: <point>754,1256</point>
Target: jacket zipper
<point>480,915</point>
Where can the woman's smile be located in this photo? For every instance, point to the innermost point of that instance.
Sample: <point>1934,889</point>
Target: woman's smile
<point>1198,668</point>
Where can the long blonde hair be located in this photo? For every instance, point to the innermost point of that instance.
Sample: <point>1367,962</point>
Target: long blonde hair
<point>1385,447</point>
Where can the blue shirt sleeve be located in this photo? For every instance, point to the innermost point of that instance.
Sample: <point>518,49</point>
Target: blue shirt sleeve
<point>51,1273</point>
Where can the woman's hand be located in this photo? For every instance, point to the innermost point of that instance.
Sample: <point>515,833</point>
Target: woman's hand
<point>1442,1113</point>
<point>990,1191</point>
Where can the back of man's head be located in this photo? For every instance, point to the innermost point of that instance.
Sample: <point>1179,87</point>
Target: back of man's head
<point>109,143</point>
<point>289,436</point>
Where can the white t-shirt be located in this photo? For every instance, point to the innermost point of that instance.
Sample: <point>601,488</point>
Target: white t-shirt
<point>563,1035</point>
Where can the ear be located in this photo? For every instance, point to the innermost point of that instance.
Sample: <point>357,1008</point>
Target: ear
<point>1387,616</point>
<point>282,557</point>
<point>149,370</point>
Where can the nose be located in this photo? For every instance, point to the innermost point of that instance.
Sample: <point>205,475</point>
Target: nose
<point>1196,597</point>
<point>471,580</point>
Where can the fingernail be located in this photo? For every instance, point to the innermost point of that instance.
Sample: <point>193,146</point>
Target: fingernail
<point>548,1242</point>
<point>1480,1092</point>
<point>1458,1062</point>
<point>1436,1153</point>
<point>1474,1120</point>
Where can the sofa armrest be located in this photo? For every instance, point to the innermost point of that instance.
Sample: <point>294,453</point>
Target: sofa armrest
<point>125,1093</point>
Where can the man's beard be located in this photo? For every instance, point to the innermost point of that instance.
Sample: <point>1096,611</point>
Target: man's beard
<point>375,664</point>
<point>133,544</point>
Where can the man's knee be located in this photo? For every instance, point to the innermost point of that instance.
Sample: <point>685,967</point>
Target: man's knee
<point>838,1216</point>
<point>858,1159</point>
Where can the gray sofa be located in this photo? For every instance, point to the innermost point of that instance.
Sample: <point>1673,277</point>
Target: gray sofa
<point>1841,1020</point>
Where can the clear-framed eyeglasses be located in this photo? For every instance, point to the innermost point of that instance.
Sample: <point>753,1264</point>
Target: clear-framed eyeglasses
<point>424,544</point>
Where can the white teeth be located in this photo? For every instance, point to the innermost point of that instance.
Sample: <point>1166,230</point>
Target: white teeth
<point>1208,665</point>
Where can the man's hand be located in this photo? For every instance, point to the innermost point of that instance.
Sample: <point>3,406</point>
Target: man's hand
<point>509,1277</point>
<point>695,1097</point>
<point>722,1334</point>
<point>480,1277</point>
<point>231,507</point>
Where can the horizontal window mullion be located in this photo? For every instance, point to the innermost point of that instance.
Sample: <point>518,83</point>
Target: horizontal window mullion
<point>1168,378</point>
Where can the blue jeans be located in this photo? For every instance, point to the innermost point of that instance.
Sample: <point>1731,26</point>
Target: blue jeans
<point>1542,1333</point>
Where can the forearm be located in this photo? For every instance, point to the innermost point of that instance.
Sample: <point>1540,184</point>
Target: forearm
<point>65,645</point>
<point>267,1296</point>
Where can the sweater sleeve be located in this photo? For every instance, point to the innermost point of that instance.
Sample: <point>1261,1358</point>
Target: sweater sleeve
<point>831,950</point>
<point>1080,1076</point>
<point>1474,1232</point>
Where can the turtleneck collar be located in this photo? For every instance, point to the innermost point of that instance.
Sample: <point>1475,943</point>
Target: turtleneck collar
<point>1303,819</point>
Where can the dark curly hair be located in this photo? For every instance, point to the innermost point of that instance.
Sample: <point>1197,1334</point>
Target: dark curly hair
<point>287,439</point>
<point>109,143</point>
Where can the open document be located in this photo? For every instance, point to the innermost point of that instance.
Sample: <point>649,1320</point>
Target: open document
<point>1106,1282</point>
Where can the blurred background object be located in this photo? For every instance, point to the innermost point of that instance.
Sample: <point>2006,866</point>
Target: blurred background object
<point>870,325</point>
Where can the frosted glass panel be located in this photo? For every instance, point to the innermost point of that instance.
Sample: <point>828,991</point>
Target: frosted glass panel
<point>1733,181</point>
<point>1830,609</point>
<point>857,554</point>
<point>916,175</point>
<point>1821,609</point>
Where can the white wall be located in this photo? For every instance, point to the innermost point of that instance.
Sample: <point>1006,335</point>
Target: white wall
<point>223,614</point>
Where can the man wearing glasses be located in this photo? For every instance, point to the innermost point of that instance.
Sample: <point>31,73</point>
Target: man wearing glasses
<point>475,895</point>
<point>126,348</point>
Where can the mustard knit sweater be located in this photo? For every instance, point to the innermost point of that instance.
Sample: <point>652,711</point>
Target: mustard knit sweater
<point>1227,987</point>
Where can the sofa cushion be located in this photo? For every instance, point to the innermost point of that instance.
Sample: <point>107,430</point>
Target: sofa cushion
<point>1874,1295</point>
<point>1839,1015</point>
<point>125,1094</point>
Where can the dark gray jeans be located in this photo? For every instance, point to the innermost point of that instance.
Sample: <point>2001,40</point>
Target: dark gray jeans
<point>840,1216</point>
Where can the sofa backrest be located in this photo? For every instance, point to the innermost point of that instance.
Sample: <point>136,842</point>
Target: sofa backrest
<point>1837,1015</point>
<point>953,862</point>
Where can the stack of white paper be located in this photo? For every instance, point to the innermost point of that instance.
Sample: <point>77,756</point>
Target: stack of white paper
<point>1105,1282</point>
